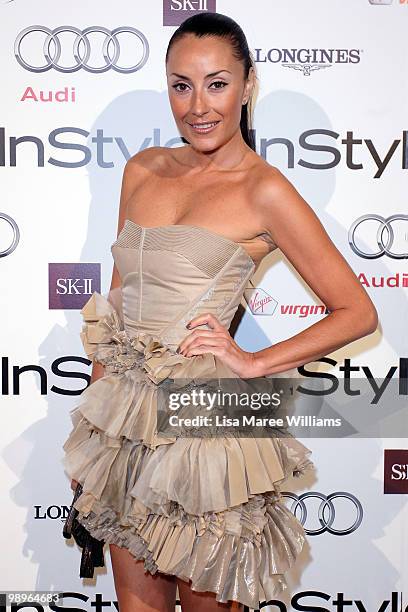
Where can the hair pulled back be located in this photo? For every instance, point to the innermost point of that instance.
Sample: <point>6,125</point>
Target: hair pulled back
<point>216,24</point>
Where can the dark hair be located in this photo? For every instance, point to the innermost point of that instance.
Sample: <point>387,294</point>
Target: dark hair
<point>216,24</point>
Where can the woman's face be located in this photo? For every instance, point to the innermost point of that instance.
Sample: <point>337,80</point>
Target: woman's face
<point>206,90</point>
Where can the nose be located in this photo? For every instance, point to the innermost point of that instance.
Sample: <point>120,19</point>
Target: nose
<point>199,105</point>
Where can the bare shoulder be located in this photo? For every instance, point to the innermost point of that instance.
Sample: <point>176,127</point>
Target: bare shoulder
<point>153,161</point>
<point>137,170</point>
<point>278,202</point>
<point>146,161</point>
<point>273,188</point>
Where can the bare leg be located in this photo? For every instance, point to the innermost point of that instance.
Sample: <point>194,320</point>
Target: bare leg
<point>194,601</point>
<point>137,590</point>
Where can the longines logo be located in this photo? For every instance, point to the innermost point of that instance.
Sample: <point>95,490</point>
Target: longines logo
<point>176,11</point>
<point>71,284</point>
<point>396,470</point>
<point>308,60</point>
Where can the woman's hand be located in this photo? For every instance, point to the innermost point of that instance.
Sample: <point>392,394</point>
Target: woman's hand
<point>218,341</point>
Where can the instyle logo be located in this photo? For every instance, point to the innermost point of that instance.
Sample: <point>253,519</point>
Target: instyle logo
<point>395,470</point>
<point>11,243</point>
<point>308,60</point>
<point>11,376</point>
<point>348,384</point>
<point>111,45</point>
<point>395,379</point>
<point>72,284</point>
<point>372,236</point>
<point>349,150</point>
<point>177,11</point>
<point>300,600</point>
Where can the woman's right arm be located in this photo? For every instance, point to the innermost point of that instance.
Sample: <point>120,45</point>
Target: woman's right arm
<point>98,370</point>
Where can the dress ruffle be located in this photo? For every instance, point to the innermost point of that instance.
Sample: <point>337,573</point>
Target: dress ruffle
<point>215,514</point>
<point>106,341</point>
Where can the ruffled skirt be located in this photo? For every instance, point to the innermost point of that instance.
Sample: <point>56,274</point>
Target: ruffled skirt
<point>209,510</point>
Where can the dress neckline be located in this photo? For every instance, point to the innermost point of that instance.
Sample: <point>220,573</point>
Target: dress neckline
<point>188,226</point>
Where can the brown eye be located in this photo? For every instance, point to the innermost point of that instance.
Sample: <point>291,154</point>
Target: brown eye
<point>222,83</point>
<point>178,85</point>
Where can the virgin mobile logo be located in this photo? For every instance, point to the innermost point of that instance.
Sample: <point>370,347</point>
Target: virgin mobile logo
<point>259,301</point>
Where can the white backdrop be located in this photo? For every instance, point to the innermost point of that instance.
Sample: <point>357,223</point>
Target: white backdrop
<point>65,208</point>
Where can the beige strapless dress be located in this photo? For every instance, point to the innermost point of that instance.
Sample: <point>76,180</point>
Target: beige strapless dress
<point>207,510</point>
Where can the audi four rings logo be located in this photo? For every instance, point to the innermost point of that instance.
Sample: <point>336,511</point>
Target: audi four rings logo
<point>16,234</point>
<point>82,49</point>
<point>387,237</point>
<point>326,512</point>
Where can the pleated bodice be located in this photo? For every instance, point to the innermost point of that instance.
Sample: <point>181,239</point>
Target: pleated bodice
<point>172,273</point>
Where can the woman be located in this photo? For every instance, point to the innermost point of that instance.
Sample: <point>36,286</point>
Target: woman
<point>194,223</point>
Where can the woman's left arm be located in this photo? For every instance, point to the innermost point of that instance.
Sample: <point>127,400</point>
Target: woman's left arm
<point>298,232</point>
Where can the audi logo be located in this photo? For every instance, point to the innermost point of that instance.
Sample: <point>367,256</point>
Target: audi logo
<point>326,513</point>
<point>16,234</point>
<point>385,236</point>
<point>81,49</point>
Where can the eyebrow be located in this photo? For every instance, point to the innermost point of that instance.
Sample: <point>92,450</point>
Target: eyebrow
<point>211,74</point>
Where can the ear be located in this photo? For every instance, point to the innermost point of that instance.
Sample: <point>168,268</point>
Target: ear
<point>249,86</point>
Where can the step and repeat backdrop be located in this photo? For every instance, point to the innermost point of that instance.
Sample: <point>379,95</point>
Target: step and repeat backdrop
<point>83,89</point>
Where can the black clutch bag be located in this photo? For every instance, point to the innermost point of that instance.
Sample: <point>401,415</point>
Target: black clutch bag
<point>92,549</point>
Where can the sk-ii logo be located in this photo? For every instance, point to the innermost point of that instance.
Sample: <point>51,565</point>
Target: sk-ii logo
<point>177,11</point>
<point>395,470</point>
<point>72,284</point>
